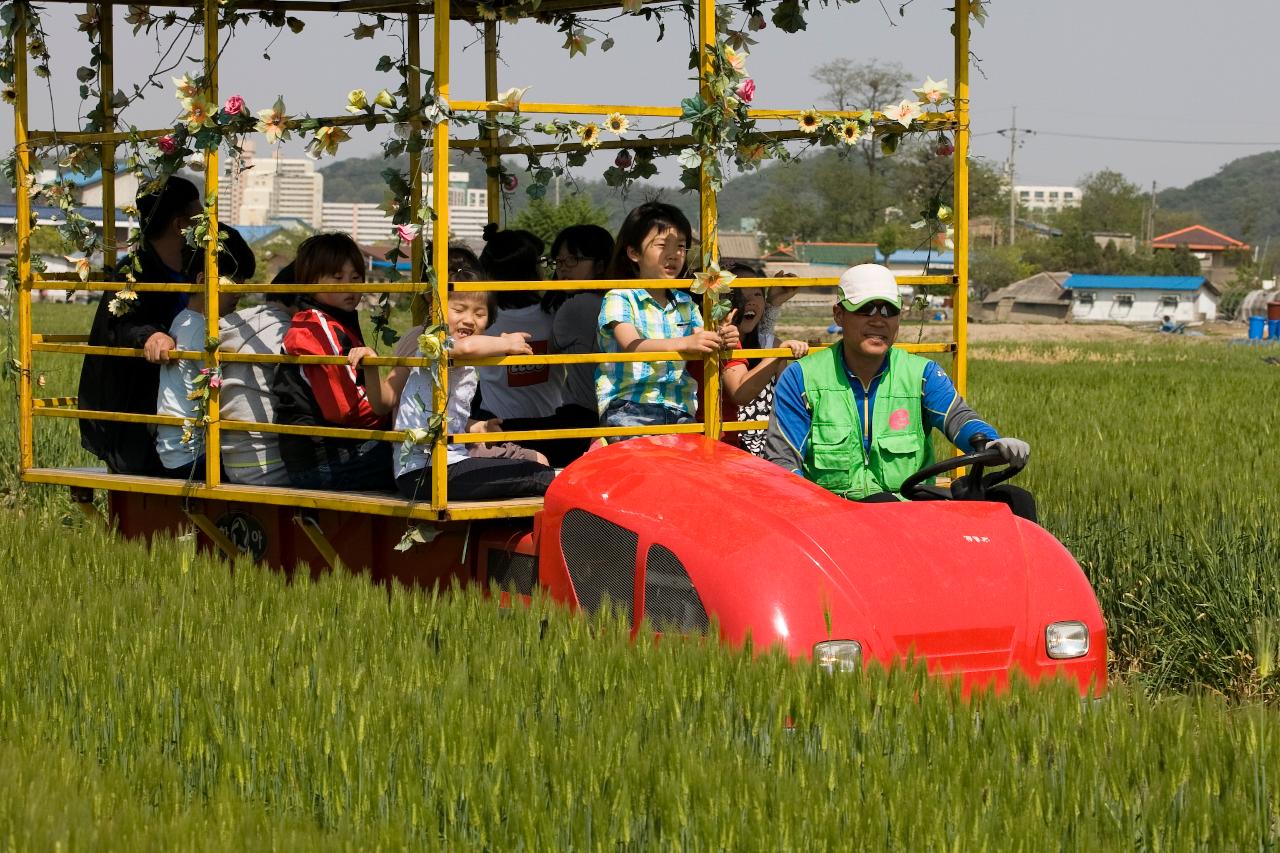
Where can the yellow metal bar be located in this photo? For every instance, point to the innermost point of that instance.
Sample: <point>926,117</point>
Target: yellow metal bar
<point>368,504</point>
<point>584,432</point>
<point>212,438</point>
<point>492,157</point>
<point>86,349</point>
<point>56,402</point>
<point>317,431</point>
<point>119,417</point>
<point>21,117</point>
<point>216,536</point>
<point>654,111</point>
<point>960,203</point>
<point>366,287</point>
<point>106,79</point>
<point>708,224</point>
<point>414,81</point>
<point>440,245</point>
<point>318,540</point>
<point>140,287</point>
<point>634,283</point>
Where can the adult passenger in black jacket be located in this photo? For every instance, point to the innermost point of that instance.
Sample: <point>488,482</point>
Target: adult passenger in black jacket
<point>123,384</point>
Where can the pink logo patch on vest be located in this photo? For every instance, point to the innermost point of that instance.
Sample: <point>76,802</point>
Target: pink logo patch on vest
<point>899,419</point>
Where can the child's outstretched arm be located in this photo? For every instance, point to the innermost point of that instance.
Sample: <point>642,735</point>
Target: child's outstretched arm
<point>489,346</point>
<point>630,340</point>
<point>743,385</point>
<point>383,393</point>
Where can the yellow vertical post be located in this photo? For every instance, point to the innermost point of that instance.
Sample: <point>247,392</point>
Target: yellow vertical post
<point>960,201</point>
<point>106,78</point>
<point>26,444</point>
<point>440,251</point>
<point>708,226</point>
<point>492,160</point>
<point>212,435</point>
<point>414,82</point>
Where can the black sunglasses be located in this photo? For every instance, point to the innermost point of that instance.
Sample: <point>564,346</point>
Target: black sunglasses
<point>871,309</point>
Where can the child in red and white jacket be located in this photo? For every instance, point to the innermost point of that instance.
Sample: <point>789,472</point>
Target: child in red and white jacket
<point>331,395</point>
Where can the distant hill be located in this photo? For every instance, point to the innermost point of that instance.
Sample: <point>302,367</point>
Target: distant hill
<point>1241,200</point>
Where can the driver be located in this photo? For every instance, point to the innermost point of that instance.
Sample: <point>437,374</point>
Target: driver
<point>855,417</point>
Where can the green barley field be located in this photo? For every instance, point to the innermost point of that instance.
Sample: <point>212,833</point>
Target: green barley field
<point>152,699</point>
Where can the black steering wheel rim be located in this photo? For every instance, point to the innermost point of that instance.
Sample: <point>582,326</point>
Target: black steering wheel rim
<point>972,487</point>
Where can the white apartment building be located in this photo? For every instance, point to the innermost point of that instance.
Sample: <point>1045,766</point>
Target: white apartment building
<point>260,191</point>
<point>1048,198</point>
<point>468,213</point>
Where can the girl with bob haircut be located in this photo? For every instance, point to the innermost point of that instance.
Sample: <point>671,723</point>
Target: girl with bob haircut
<point>653,243</point>
<point>334,395</point>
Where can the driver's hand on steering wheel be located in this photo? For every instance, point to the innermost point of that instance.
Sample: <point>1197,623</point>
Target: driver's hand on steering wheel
<point>1015,451</point>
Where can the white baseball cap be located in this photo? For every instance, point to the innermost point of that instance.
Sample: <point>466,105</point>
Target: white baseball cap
<point>867,283</point>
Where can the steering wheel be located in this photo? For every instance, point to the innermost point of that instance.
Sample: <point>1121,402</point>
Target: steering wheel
<point>971,487</point>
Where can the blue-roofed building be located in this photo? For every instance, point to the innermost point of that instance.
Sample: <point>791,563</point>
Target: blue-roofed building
<point>1142,298</point>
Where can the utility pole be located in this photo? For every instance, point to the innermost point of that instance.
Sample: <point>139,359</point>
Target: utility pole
<point>1151,217</point>
<point>1013,196</point>
<point>1012,132</point>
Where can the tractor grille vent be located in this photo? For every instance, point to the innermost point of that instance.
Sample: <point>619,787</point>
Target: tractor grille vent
<point>513,572</point>
<point>601,558</point>
<point>670,601</point>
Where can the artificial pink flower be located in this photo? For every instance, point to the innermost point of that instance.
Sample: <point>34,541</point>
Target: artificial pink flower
<point>234,106</point>
<point>407,233</point>
<point>945,149</point>
<point>215,381</point>
<point>509,183</point>
<point>623,160</point>
<point>746,90</point>
<point>167,144</point>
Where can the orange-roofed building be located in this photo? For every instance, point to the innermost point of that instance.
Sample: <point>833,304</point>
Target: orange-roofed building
<point>1219,255</point>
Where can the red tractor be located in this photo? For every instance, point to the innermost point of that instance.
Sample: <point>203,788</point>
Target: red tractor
<point>684,531</point>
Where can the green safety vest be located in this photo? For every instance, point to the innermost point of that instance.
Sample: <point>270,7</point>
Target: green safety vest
<point>835,457</point>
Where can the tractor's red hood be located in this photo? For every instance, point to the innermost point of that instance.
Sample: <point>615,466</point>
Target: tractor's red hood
<point>967,585</point>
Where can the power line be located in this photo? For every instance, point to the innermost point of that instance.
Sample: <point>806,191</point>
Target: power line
<point>1237,142</point>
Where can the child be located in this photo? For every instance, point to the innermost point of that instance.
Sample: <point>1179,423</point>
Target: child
<point>527,390</point>
<point>332,395</point>
<point>251,457</point>
<point>750,383</point>
<point>653,243</point>
<point>476,471</point>
<point>179,458</point>
<point>579,253</point>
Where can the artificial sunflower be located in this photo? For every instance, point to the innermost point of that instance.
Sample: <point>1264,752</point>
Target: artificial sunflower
<point>809,121</point>
<point>589,134</point>
<point>850,132</point>
<point>617,123</point>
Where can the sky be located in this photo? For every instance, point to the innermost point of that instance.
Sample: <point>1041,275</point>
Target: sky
<point>1184,75</point>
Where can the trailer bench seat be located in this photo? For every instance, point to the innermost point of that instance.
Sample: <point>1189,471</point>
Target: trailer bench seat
<point>372,503</point>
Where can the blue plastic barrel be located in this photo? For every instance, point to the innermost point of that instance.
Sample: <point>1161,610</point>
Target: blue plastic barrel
<point>1256,327</point>
<point>1273,329</point>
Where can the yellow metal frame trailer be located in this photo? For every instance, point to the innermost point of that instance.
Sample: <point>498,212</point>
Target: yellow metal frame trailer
<point>438,13</point>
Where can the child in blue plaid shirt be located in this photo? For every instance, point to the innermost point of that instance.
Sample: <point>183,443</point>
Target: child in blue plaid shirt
<point>653,243</point>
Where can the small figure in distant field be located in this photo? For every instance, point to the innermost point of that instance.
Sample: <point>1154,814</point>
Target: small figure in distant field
<point>475,471</point>
<point>181,448</point>
<point>114,384</point>
<point>1168,325</point>
<point>855,417</point>
<point>653,243</point>
<point>331,394</point>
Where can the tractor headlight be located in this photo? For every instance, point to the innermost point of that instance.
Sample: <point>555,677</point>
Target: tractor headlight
<point>1065,640</point>
<point>838,655</point>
